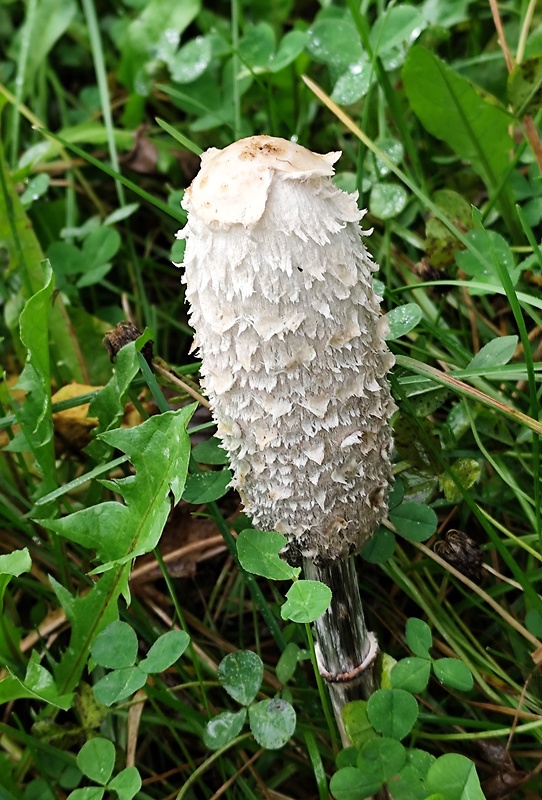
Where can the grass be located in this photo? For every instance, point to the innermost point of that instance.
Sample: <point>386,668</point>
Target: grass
<point>103,114</point>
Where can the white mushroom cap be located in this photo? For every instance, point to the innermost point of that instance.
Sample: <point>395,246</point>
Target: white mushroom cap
<point>232,184</point>
<point>291,339</point>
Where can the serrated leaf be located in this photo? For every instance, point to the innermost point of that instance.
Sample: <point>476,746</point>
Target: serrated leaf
<point>15,563</point>
<point>38,685</point>
<point>108,405</point>
<point>458,774</point>
<point>165,651</point>
<point>222,729</point>
<point>258,553</point>
<point>402,319</point>
<point>25,258</point>
<point>419,637</point>
<point>116,646</point>
<point>88,615</point>
<point>272,722</point>
<point>159,450</point>
<point>392,712</point>
<point>34,415</point>
<point>205,487</point>
<point>414,521</point>
<point>96,759</point>
<point>306,601</point>
<point>411,674</point>
<point>118,685</point>
<point>241,675</point>
<point>454,674</point>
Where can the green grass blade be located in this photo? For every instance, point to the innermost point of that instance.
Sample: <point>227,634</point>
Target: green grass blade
<point>187,143</point>
<point>531,381</point>
<point>101,77</point>
<point>24,49</point>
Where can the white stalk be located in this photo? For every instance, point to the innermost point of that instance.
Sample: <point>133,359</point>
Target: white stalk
<point>294,361</point>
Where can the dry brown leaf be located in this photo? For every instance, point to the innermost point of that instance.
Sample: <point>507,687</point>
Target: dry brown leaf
<point>73,427</point>
<point>143,157</point>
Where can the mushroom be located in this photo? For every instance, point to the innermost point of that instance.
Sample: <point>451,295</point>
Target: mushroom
<point>294,361</point>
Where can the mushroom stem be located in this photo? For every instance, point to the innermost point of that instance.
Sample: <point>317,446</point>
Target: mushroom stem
<point>346,651</point>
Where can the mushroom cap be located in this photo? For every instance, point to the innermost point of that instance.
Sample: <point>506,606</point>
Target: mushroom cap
<point>232,184</point>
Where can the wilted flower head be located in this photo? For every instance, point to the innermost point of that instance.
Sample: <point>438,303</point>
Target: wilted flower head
<point>291,339</point>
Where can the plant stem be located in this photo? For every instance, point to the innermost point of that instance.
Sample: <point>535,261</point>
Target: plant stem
<point>346,650</point>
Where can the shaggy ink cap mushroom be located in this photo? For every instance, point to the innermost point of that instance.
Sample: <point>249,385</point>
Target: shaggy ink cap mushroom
<point>291,338</point>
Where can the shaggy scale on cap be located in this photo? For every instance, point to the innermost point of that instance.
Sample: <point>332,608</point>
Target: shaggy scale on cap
<point>291,339</point>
